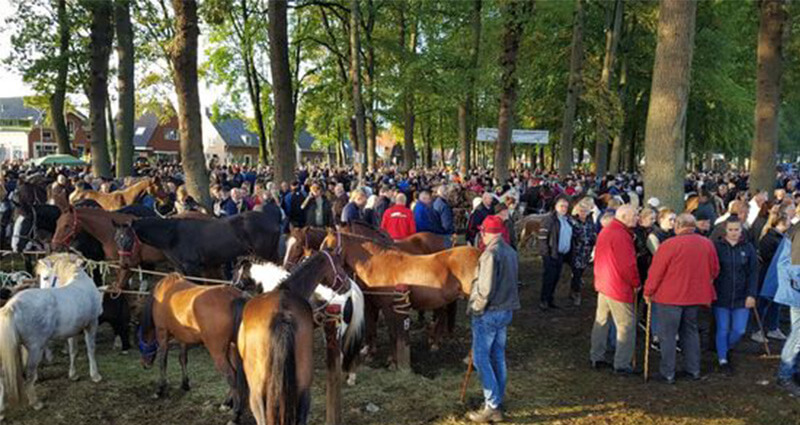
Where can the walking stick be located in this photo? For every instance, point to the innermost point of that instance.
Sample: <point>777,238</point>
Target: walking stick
<point>466,378</point>
<point>647,340</point>
<point>635,325</point>
<point>763,334</point>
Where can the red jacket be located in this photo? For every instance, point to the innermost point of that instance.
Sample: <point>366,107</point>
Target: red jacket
<point>683,271</point>
<point>398,221</point>
<point>615,273</point>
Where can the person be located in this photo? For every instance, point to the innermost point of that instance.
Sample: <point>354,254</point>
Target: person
<point>484,209</point>
<point>423,214</point>
<point>383,203</point>
<point>555,243</point>
<point>703,220</point>
<point>354,210</point>
<point>444,216</point>
<point>736,287</point>
<point>680,281</point>
<point>293,203</point>
<point>317,208</point>
<point>767,248</point>
<point>398,220</point>
<point>224,207</point>
<point>647,218</point>
<point>340,200</point>
<point>788,293</point>
<point>664,229</point>
<point>583,242</point>
<point>238,200</point>
<point>492,301</point>
<point>616,279</point>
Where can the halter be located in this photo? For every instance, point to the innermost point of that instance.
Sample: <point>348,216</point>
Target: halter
<point>68,237</point>
<point>136,244</point>
<point>146,349</point>
<point>338,280</point>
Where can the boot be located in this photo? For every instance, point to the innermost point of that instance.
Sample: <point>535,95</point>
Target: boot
<point>486,415</point>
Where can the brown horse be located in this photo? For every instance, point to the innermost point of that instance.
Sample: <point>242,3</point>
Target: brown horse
<point>434,280</point>
<point>192,315</point>
<point>120,198</point>
<point>530,225</point>
<point>275,342</point>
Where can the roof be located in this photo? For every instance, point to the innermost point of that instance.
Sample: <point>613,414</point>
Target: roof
<point>235,134</point>
<point>13,108</point>
<point>143,129</point>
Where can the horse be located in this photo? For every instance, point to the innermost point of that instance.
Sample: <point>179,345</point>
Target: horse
<point>530,226</point>
<point>434,280</point>
<point>35,316</point>
<point>275,343</point>
<point>193,315</point>
<point>120,198</point>
<point>268,276</point>
<point>194,246</point>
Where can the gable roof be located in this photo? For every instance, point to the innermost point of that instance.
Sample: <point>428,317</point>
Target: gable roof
<point>234,133</point>
<point>305,141</point>
<point>143,129</point>
<point>13,108</point>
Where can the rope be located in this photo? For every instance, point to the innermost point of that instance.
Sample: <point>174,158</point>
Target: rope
<point>14,278</point>
<point>402,303</point>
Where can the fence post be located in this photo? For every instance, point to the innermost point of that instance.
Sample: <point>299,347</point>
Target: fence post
<point>402,309</point>
<point>333,400</point>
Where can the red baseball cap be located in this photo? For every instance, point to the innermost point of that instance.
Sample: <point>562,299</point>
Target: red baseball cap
<point>493,225</point>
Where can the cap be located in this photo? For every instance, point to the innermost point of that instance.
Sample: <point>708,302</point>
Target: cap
<point>493,225</point>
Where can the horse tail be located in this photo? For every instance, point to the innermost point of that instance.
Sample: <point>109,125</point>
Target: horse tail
<point>282,402</point>
<point>354,335</point>
<point>10,357</point>
<point>237,307</point>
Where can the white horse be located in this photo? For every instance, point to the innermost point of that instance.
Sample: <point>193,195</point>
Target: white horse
<point>351,332</point>
<point>36,316</point>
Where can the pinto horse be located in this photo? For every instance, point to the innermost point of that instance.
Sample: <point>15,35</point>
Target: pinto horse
<point>120,198</point>
<point>275,342</point>
<point>435,280</point>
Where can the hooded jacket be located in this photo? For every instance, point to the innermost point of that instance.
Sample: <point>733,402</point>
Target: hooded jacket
<point>738,274</point>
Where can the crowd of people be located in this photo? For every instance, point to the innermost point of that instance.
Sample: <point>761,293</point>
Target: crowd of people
<point>730,250</point>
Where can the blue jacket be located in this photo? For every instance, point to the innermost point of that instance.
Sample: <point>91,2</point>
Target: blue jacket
<point>351,213</point>
<point>738,274</point>
<point>770,285</point>
<point>425,219</point>
<point>788,290</point>
<point>444,215</point>
<point>228,208</point>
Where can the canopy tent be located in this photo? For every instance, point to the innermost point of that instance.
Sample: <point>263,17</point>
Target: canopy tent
<point>59,159</point>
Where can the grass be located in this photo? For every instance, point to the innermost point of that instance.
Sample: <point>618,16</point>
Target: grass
<point>549,383</point>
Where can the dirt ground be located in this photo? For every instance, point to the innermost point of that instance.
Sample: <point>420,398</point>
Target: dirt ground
<point>549,383</point>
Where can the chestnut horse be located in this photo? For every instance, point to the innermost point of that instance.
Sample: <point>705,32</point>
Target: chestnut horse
<point>435,280</point>
<point>120,198</point>
<point>530,225</point>
<point>192,315</point>
<point>275,342</point>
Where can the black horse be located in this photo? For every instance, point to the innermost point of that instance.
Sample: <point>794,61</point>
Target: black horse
<point>196,246</point>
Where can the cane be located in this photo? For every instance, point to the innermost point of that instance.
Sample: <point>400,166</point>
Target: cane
<point>466,378</point>
<point>647,340</point>
<point>635,324</point>
<point>763,334</point>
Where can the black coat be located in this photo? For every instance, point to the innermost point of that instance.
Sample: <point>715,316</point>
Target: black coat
<point>738,274</point>
<point>310,212</point>
<point>767,247</point>
<point>549,234</point>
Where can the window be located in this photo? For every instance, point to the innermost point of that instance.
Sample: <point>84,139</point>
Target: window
<point>47,135</point>
<point>139,130</point>
<point>70,127</point>
<point>247,159</point>
<point>171,134</point>
<point>246,139</point>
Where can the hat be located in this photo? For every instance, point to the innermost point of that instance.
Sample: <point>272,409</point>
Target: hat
<point>701,215</point>
<point>493,225</point>
<point>654,202</point>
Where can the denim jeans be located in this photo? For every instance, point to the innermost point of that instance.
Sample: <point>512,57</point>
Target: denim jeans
<point>731,326</point>
<point>489,332</point>
<point>550,276</point>
<point>674,320</point>
<point>791,349</point>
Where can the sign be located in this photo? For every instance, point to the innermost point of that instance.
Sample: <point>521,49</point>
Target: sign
<point>358,157</point>
<point>536,137</point>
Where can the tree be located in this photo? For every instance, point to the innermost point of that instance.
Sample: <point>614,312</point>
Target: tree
<point>408,49</point>
<point>183,57</point>
<point>100,48</point>
<point>281,91</point>
<point>60,92</point>
<point>669,94</point>
<point>125,87</point>
<point>515,14</point>
<point>355,77</point>
<point>773,17</point>
<point>467,105</point>
<point>573,92</point>
<point>612,41</point>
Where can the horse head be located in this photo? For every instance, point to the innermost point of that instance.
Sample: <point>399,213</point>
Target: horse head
<point>146,334</point>
<point>59,270</point>
<point>67,228</point>
<point>156,189</point>
<point>128,244</point>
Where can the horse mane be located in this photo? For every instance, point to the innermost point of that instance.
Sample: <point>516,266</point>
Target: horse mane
<point>65,266</point>
<point>304,278</point>
<point>385,244</point>
<point>157,232</point>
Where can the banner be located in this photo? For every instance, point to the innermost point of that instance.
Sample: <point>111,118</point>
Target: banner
<point>536,137</point>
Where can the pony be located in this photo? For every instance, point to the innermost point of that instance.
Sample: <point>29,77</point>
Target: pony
<point>35,316</point>
<point>268,276</point>
<point>192,315</point>
<point>530,226</point>
<point>275,343</point>
<point>194,246</point>
<point>120,198</point>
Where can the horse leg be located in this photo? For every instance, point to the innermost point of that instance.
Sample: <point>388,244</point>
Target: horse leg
<point>121,324</point>
<point>183,359</point>
<point>304,407</point>
<point>73,353</point>
<point>161,358</point>
<point>223,366</point>
<point>372,313</point>
<point>35,354</point>
<point>89,335</point>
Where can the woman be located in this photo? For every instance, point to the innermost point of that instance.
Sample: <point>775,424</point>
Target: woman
<point>776,227</point>
<point>583,240</point>
<point>647,218</point>
<point>736,287</point>
<point>664,230</point>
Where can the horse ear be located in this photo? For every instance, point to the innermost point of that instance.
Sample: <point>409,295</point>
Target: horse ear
<point>80,262</point>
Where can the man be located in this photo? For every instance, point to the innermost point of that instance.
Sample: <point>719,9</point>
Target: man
<point>616,278</point>
<point>788,293</point>
<point>238,199</point>
<point>423,214</point>
<point>493,299</point>
<point>293,205</point>
<point>755,207</point>
<point>354,210</point>
<point>398,221</point>
<point>317,208</point>
<point>383,203</point>
<point>224,207</point>
<point>444,216</point>
<point>680,280</point>
<point>476,218</point>
<point>555,242</point>
<point>340,199</point>
<point>703,222</point>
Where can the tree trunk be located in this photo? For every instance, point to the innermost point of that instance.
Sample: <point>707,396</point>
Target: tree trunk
<point>515,14</point>
<point>60,92</point>
<point>467,105</point>
<point>100,36</point>
<point>616,146</point>
<point>409,51</point>
<point>125,87</point>
<point>773,17</point>
<point>110,136</point>
<point>285,157</point>
<point>183,56</point>
<point>372,139</point>
<point>669,94</point>
<point>612,40</point>
<point>355,77</point>
<point>573,92</point>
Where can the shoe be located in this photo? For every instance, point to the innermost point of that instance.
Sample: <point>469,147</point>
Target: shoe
<point>776,334</point>
<point>600,364</point>
<point>692,376</point>
<point>790,386</point>
<point>576,298</point>
<point>664,380</point>
<point>627,372</point>
<point>553,306</point>
<point>758,337</point>
<point>544,306</point>
<point>726,369</point>
<point>485,415</point>
<point>655,346</point>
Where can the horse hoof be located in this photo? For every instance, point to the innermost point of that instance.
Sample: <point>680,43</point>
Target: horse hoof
<point>156,396</point>
<point>97,378</point>
<point>185,386</point>
<point>224,408</point>
<point>434,348</point>
<point>351,380</point>
<point>123,353</point>
<point>38,406</point>
<point>117,342</point>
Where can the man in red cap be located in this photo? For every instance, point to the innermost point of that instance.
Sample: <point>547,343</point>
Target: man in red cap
<point>492,301</point>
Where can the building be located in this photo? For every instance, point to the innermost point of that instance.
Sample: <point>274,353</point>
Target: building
<point>42,140</point>
<point>157,138</point>
<point>306,152</point>
<point>24,133</point>
<point>229,141</point>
